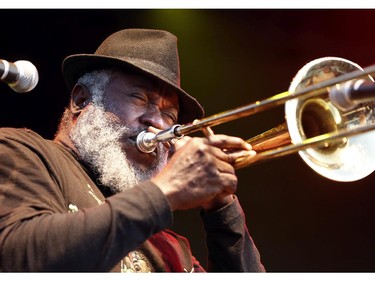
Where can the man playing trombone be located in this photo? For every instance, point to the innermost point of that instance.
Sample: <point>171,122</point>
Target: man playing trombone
<point>91,201</point>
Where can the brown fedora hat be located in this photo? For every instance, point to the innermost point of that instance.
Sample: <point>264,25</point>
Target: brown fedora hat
<point>151,52</point>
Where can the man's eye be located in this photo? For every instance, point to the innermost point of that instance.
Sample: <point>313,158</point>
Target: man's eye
<point>171,116</point>
<point>139,98</point>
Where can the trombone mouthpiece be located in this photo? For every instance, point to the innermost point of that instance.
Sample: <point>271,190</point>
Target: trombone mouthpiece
<point>146,142</point>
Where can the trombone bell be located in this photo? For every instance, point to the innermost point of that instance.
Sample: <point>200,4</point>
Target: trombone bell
<point>347,159</point>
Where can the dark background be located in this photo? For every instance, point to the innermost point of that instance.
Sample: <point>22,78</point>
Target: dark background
<point>300,221</point>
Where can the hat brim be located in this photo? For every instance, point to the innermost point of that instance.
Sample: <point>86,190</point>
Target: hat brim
<point>75,66</point>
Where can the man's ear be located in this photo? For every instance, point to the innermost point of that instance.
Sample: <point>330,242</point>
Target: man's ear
<point>80,97</point>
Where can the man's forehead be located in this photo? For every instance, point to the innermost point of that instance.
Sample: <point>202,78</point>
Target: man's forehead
<point>151,85</point>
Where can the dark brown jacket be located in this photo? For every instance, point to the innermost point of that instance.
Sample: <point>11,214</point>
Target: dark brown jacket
<point>54,217</point>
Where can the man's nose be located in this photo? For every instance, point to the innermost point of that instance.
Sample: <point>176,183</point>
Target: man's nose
<point>153,117</point>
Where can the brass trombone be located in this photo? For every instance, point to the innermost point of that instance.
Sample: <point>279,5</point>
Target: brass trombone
<point>337,142</point>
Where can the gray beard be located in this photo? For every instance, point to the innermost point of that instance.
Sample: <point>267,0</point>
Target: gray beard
<point>97,139</point>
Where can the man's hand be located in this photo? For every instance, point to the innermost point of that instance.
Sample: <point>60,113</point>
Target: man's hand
<point>200,172</point>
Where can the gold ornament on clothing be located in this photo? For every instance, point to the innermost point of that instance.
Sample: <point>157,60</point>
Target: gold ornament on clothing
<point>135,262</point>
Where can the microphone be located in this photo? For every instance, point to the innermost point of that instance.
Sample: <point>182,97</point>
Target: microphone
<point>348,95</point>
<point>21,76</point>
